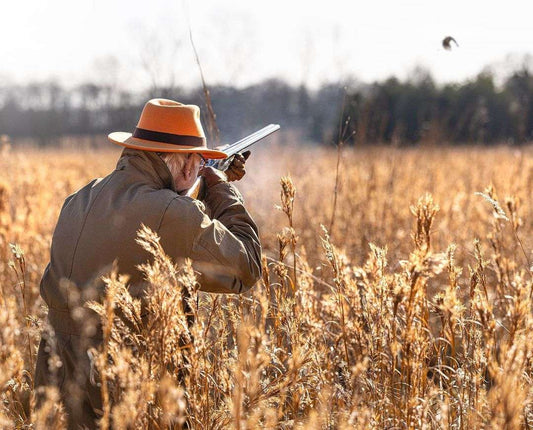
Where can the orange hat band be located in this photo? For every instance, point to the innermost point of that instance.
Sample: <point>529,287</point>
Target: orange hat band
<point>175,139</point>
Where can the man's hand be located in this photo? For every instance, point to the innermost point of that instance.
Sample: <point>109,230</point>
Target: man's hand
<point>212,176</point>
<point>236,170</point>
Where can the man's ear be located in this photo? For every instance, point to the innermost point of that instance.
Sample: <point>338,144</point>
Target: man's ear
<point>188,167</point>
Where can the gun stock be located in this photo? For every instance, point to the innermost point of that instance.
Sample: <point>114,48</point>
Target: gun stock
<point>197,191</point>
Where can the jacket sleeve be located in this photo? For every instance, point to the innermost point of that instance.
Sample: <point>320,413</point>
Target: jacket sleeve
<point>221,239</point>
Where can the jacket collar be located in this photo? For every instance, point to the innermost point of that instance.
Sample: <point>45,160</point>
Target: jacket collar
<point>149,165</point>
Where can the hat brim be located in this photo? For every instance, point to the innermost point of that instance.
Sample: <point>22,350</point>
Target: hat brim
<point>127,140</point>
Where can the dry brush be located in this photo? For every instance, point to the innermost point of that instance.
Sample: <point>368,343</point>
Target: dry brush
<point>414,311</point>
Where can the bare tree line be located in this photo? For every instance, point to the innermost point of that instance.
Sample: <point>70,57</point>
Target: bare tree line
<point>392,111</point>
<point>417,110</point>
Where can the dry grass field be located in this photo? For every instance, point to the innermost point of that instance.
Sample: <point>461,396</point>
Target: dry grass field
<point>397,293</point>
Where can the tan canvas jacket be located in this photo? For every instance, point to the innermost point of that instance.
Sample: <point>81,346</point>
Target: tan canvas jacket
<point>98,225</point>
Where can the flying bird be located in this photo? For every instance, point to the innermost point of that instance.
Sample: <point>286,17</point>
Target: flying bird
<point>446,42</point>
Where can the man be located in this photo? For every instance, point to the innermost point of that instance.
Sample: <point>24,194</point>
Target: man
<point>97,229</point>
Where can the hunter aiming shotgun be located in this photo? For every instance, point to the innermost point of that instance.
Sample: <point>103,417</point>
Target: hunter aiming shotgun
<point>198,189</point>
<point>98,230</point>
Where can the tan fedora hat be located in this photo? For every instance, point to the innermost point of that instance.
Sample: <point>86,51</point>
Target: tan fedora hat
<point>167,126</point>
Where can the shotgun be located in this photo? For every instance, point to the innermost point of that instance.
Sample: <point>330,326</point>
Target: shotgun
<point>197,191</point>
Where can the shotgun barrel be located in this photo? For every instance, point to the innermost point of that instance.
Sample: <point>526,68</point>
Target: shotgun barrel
<point>198,189</point>
<point>239,146</point>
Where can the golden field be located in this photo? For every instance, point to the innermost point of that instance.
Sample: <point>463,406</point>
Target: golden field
<point>397,293</point>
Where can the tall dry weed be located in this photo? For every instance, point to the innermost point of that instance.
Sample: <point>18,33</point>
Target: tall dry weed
<point>415,315</point>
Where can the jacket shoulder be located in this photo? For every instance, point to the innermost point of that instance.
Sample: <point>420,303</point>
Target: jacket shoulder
<point>185,208</point>
<point>180,225</point>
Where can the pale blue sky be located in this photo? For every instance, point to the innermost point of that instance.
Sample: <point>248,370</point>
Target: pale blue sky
<point>130,43</point>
